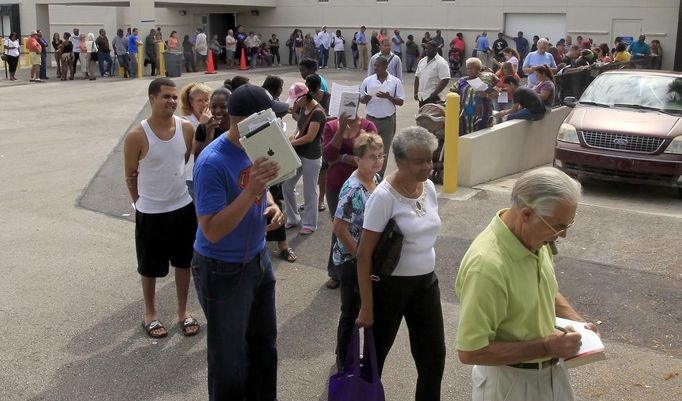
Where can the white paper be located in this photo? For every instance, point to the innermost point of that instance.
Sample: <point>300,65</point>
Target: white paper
<point>591,342</point>
<point>349,104</point>
<point>478,85</point>
<point>336,94</point>
<point>503,97</point>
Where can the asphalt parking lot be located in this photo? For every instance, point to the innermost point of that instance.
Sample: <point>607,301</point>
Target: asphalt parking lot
<point>71,302</point>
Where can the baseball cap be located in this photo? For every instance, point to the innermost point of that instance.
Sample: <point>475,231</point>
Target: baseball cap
<point>296,90</point>
<point>32,33</point>
<point>248,99</point>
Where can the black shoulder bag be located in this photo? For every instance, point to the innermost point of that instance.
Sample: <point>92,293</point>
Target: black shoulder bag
<point>387,252</point>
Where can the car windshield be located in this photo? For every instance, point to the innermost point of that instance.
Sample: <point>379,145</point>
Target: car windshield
<point>653,92</point>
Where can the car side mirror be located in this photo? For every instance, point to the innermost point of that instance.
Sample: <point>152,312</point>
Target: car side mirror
<point>570,101</point>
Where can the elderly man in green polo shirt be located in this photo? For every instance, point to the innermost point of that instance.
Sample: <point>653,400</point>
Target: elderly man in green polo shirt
<point>509,296</point>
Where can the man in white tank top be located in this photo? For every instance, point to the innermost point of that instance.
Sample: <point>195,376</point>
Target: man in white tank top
<point>156,152</point>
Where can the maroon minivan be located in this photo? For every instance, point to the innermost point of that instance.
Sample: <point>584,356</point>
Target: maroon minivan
<point>627,126</point>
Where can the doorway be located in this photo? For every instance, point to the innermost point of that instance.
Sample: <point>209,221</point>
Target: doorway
<point>627,29</point>
<point>218,24</point>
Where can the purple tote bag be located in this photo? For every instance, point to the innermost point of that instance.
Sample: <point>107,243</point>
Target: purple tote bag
<point>359,380</point>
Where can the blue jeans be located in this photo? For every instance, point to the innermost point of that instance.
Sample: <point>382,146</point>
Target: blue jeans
<point>322,56</point>
<point>525,114</point>
<point>411,62</point>
<point>101,58</point>
<point>133,64</point>
<point>43,65</point>
<point>238,300</point>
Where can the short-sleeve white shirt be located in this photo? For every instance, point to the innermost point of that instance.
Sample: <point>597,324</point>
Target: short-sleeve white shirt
<point>418,255</point>
<point>378,107</point>
<point>430,73</point>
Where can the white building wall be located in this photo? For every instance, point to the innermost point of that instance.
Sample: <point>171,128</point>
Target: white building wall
<point>583,17</point>
<point>659,18</point>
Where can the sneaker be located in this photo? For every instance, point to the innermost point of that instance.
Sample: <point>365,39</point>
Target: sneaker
<point>332,283</point>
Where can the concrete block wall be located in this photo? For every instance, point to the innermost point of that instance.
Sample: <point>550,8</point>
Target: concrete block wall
<point>508,148</point>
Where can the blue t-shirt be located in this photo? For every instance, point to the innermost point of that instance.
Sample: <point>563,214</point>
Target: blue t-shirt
<point>351,209</point>
<point>535,58</point>
<point>220,174</point>
<point>482,43</point>
<point>521,45</point>
<point>323,84</point>
<point>132,44</point>
<point>639,50</point>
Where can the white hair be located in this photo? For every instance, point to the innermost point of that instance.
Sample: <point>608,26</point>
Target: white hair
<point>476,61</point>
<point>543,41</point>
<point>410,138</point>
<point>543,189</point>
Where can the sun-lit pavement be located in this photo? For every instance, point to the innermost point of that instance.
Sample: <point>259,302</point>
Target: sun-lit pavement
<point>71,303</point>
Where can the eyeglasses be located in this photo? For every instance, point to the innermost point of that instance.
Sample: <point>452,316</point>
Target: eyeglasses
<point>554,230</point>
<point>375,158</point>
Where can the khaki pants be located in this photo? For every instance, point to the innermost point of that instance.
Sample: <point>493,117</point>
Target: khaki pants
<point>504,383</point>
<point>362,52</point>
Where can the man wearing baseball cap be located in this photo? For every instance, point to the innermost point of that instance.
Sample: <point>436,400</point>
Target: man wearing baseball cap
<point>34,50</point>
<point>232,270</point>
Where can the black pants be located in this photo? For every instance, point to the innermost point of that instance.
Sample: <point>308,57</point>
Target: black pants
<point>76,59</point>
<point>332,203</point>
<point>291,54</point>
<point>154,62</point>
<point>350,307</point>
<point>12,63</point>
<point>416,298</point>
<point>274,51</point>
<point>189,62</point>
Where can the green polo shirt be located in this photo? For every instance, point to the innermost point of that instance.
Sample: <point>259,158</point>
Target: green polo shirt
<point>506,292</point>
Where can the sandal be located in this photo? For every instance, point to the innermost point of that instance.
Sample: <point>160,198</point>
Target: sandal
<point>186,324</point>
<point>288,255</point>
<point>153,326</point>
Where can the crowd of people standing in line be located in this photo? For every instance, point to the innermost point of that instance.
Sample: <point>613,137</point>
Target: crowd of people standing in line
<point>215,229</point>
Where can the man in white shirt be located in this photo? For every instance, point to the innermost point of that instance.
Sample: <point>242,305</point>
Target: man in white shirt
<point>201,47</point>
<point>395,64</point>
<point>432,76</point>
<point>382,92</point>
<point>324,43</point>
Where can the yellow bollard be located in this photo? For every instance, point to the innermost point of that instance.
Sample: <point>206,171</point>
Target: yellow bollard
<point>451,143</point>
<point>27,56</point>
<point>140,61</point>
<point>162,61</point>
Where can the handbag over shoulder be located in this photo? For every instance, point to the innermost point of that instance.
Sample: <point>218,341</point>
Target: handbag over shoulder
<point>386,255</point>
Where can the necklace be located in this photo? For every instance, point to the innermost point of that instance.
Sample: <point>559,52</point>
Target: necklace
<point>418,204</point>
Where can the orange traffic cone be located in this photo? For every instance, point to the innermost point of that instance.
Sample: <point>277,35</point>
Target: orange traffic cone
<point>242,61</point>
<point>211,67</point>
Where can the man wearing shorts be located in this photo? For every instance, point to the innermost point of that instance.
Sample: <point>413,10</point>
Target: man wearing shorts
<point>34,50</point>
<point>155,152</point>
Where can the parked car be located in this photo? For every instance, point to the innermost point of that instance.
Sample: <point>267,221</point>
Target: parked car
<point>627,126</point>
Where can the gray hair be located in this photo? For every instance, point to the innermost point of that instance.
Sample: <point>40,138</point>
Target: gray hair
<point>543,41</point>
<point>410,138</point>
<point>476,61</point>
<point>543,189</point>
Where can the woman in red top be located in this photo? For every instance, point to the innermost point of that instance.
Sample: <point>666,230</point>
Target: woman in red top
<point>338,140</point>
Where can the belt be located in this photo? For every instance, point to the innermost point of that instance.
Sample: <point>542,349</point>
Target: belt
<point>380,118</point>
<point>535,365</point>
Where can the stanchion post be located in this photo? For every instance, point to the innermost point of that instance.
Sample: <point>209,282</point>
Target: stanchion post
<point>451,145</point>
<point>27,56</point>
<point>140,61</point>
